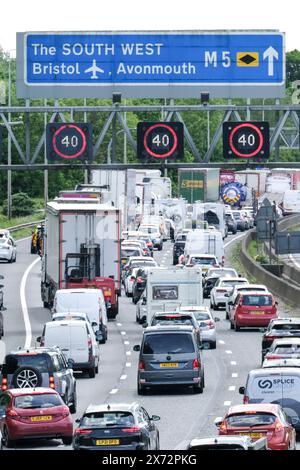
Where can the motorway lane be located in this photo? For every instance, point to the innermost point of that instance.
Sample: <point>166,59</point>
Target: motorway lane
<point>183,414</point>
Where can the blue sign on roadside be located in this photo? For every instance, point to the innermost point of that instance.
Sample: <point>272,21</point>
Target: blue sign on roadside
<point>156,64</point>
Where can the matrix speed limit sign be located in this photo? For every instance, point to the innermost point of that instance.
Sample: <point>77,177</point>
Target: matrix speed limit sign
<point>159,140</point>
<point>69,141</point>
<point>246,140</point>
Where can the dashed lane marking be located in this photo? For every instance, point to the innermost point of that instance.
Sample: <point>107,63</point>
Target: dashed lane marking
<point>114,391</point>
<point>233,363</point>
<point>228,351</point>
<point>123,377</point>
<point>128,364</point>
<point>234,375</point>
<point>232,388</point>
<point>227,403</point>
<point>221,341</point>
<point>128,353</point>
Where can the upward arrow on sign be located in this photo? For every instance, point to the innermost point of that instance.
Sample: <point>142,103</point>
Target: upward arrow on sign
<point>270,54</point>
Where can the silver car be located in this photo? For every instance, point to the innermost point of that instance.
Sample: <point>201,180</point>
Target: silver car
<point>222,287</point>
<point>207,324</point>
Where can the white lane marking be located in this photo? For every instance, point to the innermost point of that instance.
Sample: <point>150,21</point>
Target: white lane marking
<point>221,341</point>
<point>228,351</point>
<point>292,258</point>
<point>123,377</point>
<point>227,403</point>
<point>24,304</point>
<point>128,353</point>
<point>123,333</point>
<point>126,342</point>
<point>233,363</point>
<point>234,375</point>
<point>2,351</point>
<point>113,391</point>
<point>119,324</point>
<point>232,388</point>
<point>233,240</point>
<point>128,364</point>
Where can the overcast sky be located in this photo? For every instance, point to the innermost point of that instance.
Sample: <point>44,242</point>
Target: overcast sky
<point>98,15</point>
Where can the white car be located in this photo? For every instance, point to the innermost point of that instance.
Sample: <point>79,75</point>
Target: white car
<point>231,296</point>
<point>202,260</point>
<point>8,249</point>
<point>207,324</point>
<point>222,287</point>
<point>129,280</point>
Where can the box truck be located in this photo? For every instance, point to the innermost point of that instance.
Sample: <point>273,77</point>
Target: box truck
<point>199,184</point>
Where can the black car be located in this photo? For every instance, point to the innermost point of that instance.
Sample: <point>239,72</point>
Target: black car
<point>40,367</point>
<point>279,328</point>
<point>117,427</point>
<point>139,284</point>
<point>209,284</point>
<point>178,249</point>
<point>231,223</point>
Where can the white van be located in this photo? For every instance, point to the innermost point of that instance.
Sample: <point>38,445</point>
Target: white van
<point>89,301</point>
<point>280,385</point>
<point>77,341</point>
<point>291,202</point>
<point>213,213</point>
<point>205,242</point>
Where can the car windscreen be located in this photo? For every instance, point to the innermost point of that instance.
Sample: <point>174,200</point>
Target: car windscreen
<point>46,400</point>
<point>286,326</point>
<point>257,300</point>
<point>107,419</point>
<point>168,343</point>
<point>250,419</point>
<point>13,362</point>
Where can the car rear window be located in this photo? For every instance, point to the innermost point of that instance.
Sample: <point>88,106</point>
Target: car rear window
<point>288,349</point>
<point>128,253</point>
<point>232,283</point>
<point>38,361</point>
<point>136,263</point>
<point>257,300</point>
<point>108,419</point>
<point>286,326</point>
<point>201,316</point>
<point>250,419</point>
<point>168,343</point>
<point>47,400</point>
<point>206,261</point>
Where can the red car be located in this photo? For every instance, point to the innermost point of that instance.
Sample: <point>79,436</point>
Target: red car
<point>27,413</point>
<point>253,309</point>
<point>259,420</point>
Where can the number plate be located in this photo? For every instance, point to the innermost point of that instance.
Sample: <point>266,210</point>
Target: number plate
<point>123,261</point>
<point>41,418</point>
<point>257,312</point>
<point>257,435</point>
<point>107,442</point>
<point>169,364</point>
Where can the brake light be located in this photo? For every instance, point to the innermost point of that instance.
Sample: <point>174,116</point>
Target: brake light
<point>132,278</point>
<point>83,431</point>
<point>223,427</point>
<point>13,414</point>
<point>140,279</point>
<point>211,324</point>
<point>142,365</point>
<point>221,290</point>
<point>274,356</point>
<point>133,429</point>
<point>51,382</point>
<point>66,412</point>
<point>246,399</point>
<point>89,342</point>
<point>4,384</point>
<point>196,364</point>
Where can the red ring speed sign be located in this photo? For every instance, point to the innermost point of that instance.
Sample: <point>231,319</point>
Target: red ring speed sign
<point>170,151</point>
<point>258,135</point>
<point>76,129</point>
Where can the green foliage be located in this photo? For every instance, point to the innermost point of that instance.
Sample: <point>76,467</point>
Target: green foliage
<point>22,204</point>
<point>292,66</point>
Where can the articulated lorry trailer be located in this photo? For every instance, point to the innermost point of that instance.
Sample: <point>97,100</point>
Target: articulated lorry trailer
<point>82,250</point>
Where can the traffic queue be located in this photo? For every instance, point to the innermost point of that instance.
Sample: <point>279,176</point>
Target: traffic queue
<point>38,384</point>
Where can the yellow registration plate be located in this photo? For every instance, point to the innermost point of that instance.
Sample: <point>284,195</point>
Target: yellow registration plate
<point>169,364</point>
<point>123,261</point>
<point>256,435</point>
<point>41,418</point>
<point>107,442</point>
<point>257,312</point>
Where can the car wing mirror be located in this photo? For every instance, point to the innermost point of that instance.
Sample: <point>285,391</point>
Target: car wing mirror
<point>94,323</point>
<point>242,390</point>
<point>99,336</point>
<point>39,339</point>
<point>137,347</point>
<point>71,363</point>
<point>218,421</point>
<point>155,418</point>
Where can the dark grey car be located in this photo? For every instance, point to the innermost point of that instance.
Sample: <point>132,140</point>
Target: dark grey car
<point>40,367</point>
<point>170,356</point>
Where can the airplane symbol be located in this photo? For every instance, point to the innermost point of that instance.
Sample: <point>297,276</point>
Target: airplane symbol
<point>94,68</point>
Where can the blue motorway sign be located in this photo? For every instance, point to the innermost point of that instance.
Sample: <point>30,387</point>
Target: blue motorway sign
<point>143,64</point>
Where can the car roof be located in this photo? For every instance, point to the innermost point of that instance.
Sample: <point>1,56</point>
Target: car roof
<point>285,320</point>
<point>203,255</point>
<point>256,292</point>
<point>176,313</point>
<point>111,407</point>
<point>72,322</point>
<point>170,328</point>
<point>80,290</point>
<point>31,391</point>
<point>251,287</point>
<point>242,440</point>
<point>32,351</point>
<point>140,258</point>
<point>194,308</point>
<point>260,407</point>
<point>279,370</point>
<point>233,278</point>
<point>287,362</point>
<point>66,314</point>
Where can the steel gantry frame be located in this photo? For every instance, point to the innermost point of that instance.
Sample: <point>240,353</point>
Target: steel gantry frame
<point>285,131</point>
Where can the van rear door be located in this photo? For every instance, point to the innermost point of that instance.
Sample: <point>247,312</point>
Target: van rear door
<point>58,334</point>
<point>79,348</point>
